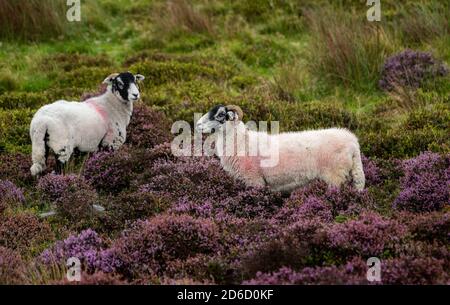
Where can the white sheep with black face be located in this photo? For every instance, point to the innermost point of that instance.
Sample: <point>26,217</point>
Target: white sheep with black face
<point>100,121</point>
<point>331,155</point>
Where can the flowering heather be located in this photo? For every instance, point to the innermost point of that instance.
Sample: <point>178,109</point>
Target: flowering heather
<point>147,128</point>
<point>426,183</point>
<point>295,246</point>
<point>12,268</point>
<point>410,69</point>
<point>149,245</point>
<point>130,206</point>
<point>24,233</point>
<point>109,171</point>
<point>16,168</point>
<point>253,202</point>
<point>84,246</point>
<point>347,200</point>
<point>71,194</point>
<point>369,235</point>
<point>343,200</point>
<point>52,186</point>
<point>434,226</point>
<point>200,268</point>
<point>191,178</point>
<point>97,278</point>
<point>10,195</point>
<point>415,271</point>
<point>352,273</point>
<point>371,171</point>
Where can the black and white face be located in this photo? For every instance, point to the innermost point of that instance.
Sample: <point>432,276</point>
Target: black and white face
<point>125,86</point>
<point>216,118</point>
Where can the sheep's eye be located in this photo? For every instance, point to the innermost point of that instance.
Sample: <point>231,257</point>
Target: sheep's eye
<point>230,115</point>
<point>120,86</point>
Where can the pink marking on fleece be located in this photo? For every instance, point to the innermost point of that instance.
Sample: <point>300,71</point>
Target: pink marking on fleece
<point>102,114</point>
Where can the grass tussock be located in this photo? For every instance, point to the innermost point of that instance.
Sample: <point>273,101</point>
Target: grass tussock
<point>421,22</point>
<point>32,19</point>
<point>346,49</point>
<point>179,16</point>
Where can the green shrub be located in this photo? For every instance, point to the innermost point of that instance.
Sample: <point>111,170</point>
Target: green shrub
<point>429,116</point>
<point>401,143</point>
<point>84,77</point>
<point>32,100</point>
<point>70,62</point>
<point>158,73</point>
<point>8,81</point>
<point>260,52</point>
<point>14,129</point>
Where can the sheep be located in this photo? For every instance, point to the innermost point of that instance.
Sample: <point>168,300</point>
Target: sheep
<point>99,122</point>
<point>331,155</point>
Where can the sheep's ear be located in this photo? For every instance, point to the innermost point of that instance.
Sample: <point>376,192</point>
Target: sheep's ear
<point>110,78</point>
<point>139,77</point>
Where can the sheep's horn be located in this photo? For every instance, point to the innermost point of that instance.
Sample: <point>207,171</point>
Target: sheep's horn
<point>109,78</point>
<point>236,109</point>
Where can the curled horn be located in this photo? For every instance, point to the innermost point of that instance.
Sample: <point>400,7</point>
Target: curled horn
<point>109,78</point>
<point>236,109</point>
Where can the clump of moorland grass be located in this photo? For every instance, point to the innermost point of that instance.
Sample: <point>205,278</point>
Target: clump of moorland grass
<point>8,81</point>
<point>179,16</point>
<point>32,19</point>
<point>346,49</point>
<point>422,22</point>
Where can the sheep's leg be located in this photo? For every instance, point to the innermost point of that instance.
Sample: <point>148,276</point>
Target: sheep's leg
<point>59,167</point>
<point>357,172</point>
<point>335,178</point>
<point>62,158</point>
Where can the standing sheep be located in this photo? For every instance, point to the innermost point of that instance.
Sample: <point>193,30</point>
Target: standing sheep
<point>101,121</point>
<point>331,155</point>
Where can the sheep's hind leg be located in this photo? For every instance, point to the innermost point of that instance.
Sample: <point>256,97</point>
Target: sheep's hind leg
<point>62,158</point>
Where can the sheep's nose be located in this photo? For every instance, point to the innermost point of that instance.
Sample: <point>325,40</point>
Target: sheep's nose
<point>135,95</point>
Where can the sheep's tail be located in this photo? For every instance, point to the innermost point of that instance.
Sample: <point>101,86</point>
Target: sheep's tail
<point>38,134</point>
<point>357,172</point>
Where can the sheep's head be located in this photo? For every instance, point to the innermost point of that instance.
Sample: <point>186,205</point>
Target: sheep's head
<point>218,116</point>
<point>124,86</point>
